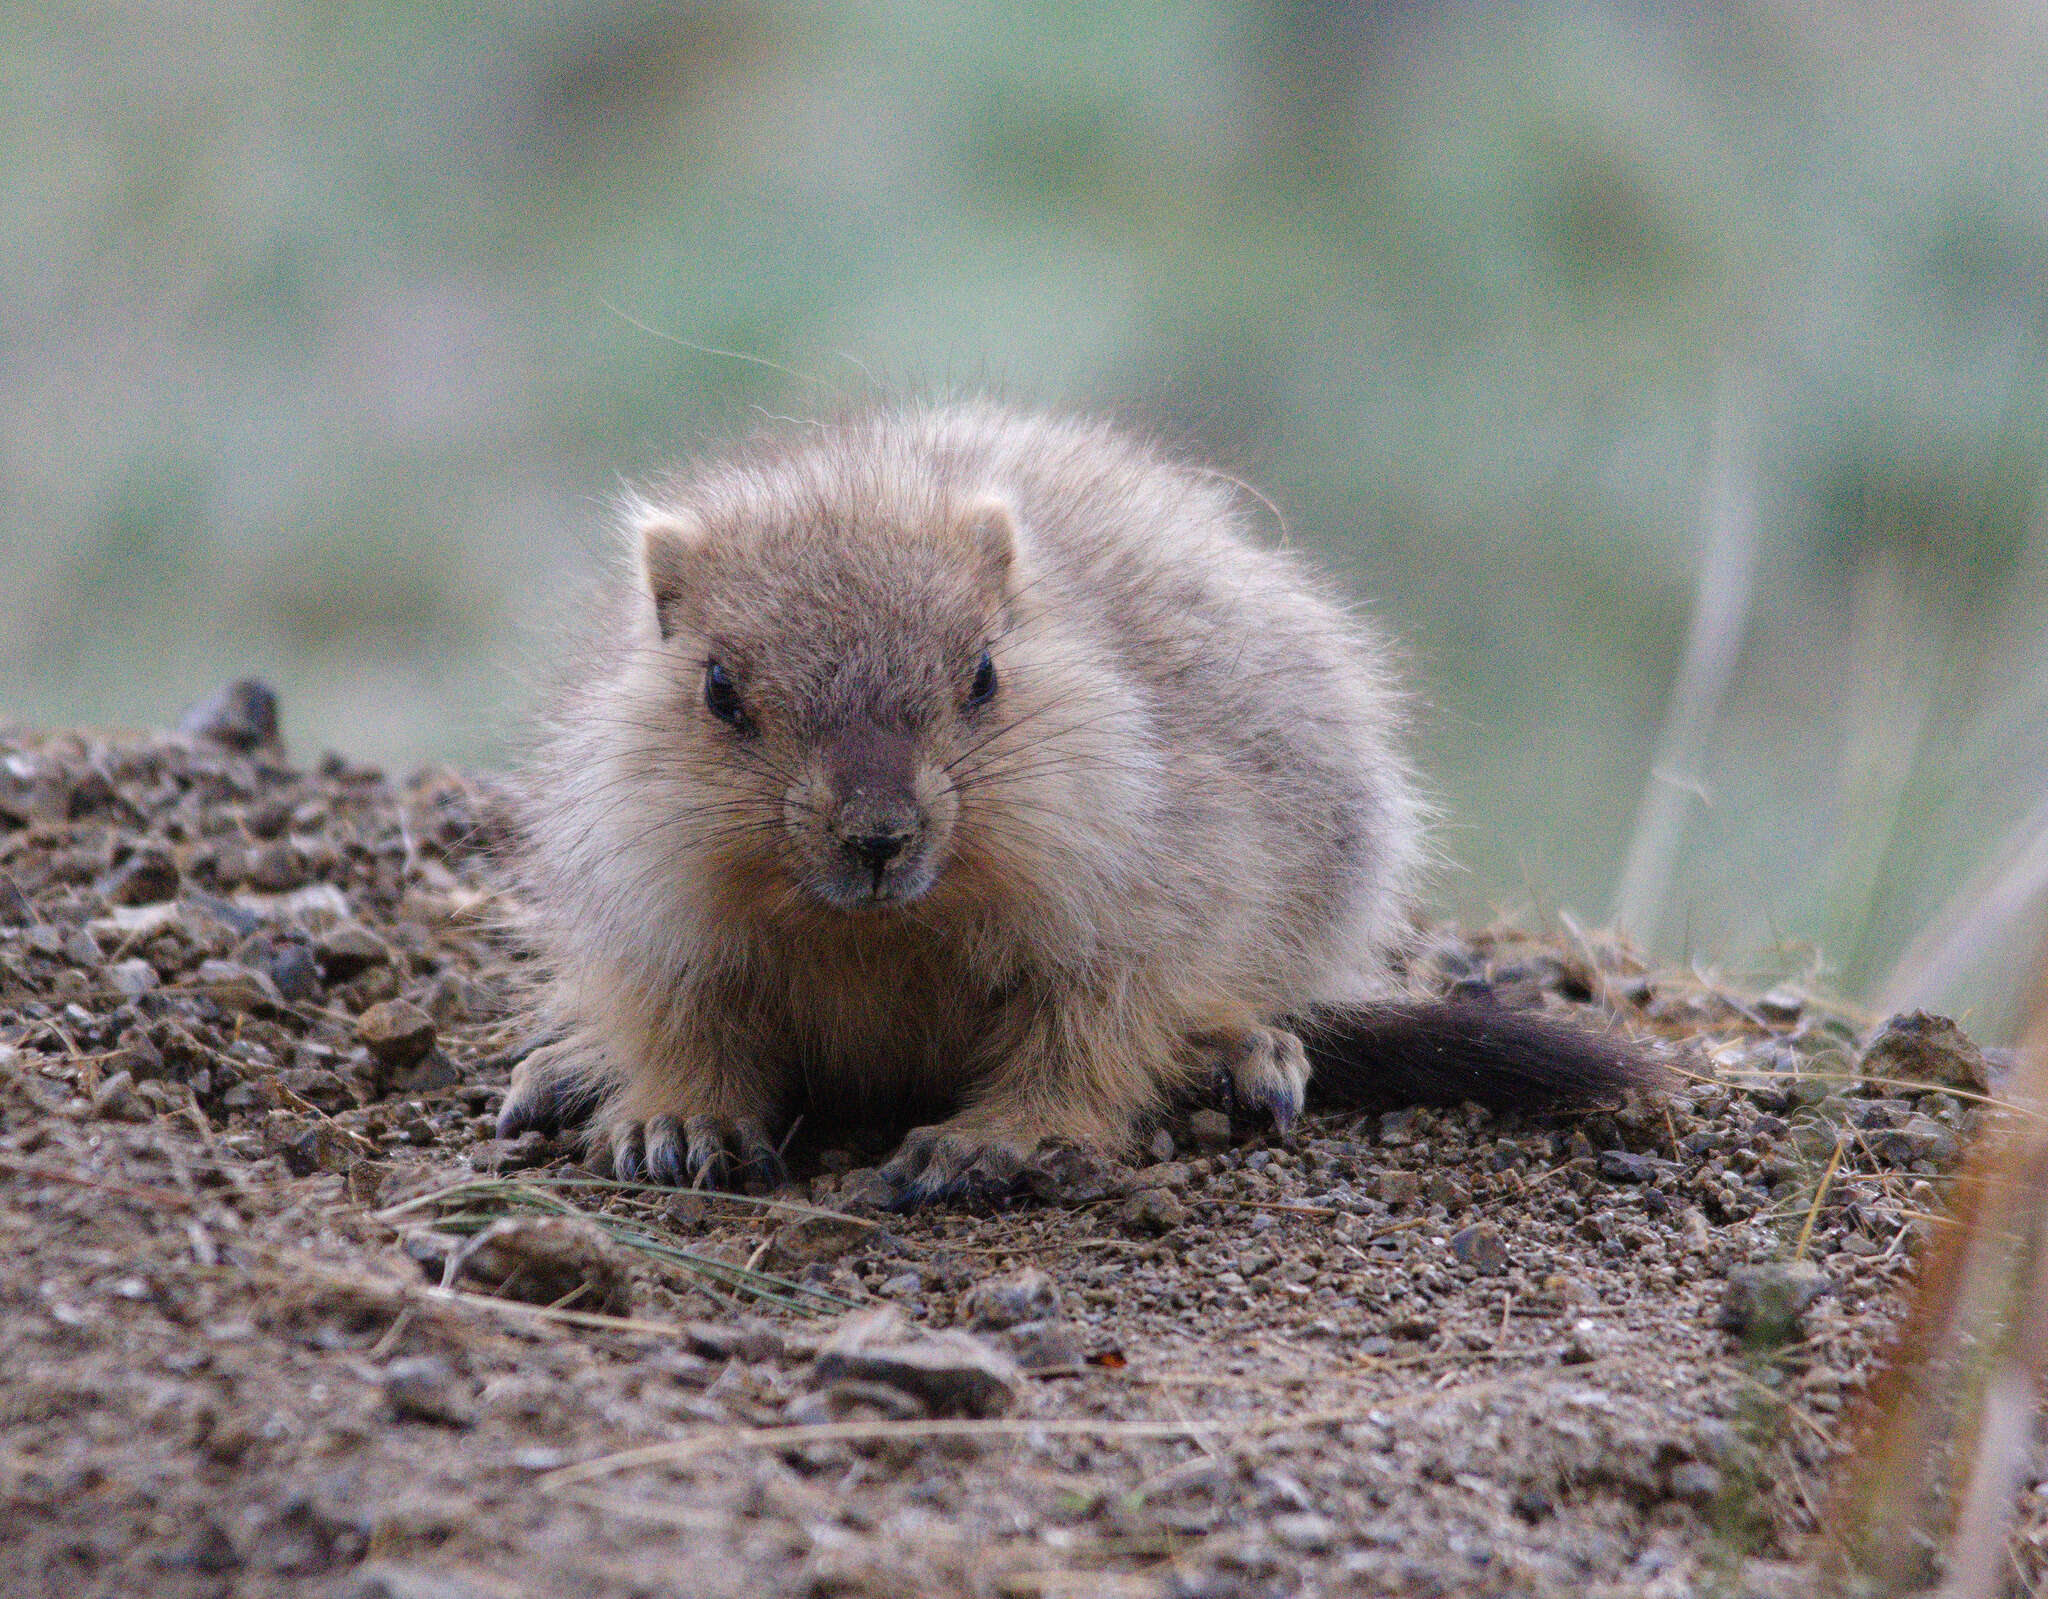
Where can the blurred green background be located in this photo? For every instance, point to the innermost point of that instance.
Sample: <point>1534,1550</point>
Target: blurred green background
<point>325,338</point>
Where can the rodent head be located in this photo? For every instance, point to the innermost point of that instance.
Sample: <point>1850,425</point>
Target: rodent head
<point>828,668</point>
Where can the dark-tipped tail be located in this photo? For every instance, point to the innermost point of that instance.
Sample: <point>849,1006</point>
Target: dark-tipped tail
<point>1442,1052</point>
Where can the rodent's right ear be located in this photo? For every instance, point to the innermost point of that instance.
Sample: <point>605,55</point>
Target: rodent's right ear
<point>671,559</point>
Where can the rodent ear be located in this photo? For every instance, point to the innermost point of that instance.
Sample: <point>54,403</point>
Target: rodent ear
<point>671,554</point>
<point>991,524</point>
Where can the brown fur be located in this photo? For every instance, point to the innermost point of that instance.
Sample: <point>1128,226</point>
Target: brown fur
<point>1182,819</point>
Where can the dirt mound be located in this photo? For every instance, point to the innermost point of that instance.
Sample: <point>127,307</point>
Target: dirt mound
<point>283,1316</point>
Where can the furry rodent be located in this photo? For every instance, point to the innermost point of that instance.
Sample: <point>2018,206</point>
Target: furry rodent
<point>964,758</point>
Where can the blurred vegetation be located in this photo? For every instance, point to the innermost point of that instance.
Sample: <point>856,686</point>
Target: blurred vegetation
<point>325,336</point>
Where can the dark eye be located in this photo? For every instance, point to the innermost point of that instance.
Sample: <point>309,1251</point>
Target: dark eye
<point>721,697</point>
<point>984,688</point>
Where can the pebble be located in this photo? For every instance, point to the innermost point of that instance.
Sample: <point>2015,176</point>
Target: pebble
<point>293,971</point>
<point>1925,1052</point>
<point>1044,1348</point>
<point>277,869</point>
<point>1209,1131</point>
<point>1764,1303</point>
<point>235,987</point>
<point>1482,1248</point>
<point>1696,1484</point>
<point>347,950</point>
<point>148,877</point>
<point>812,1239</point>
<point>952,1373</point>
<point>495,1155</point>
<point>1154,1210</point>
<point>240,717</point>
<point>1304,1532</point>
<point>133,977</point>
<point>397,1032</point>
<point>426,1388</point>
<point>1621,1166</point>
<point>549,1260</point>
<point>753,1342</point>
<point>864,1188</point>
<point>1023,1296</point>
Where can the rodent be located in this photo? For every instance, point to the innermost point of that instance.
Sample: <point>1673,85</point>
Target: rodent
<point>960,757</point>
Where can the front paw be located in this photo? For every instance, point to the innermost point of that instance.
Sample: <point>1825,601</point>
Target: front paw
<point>733,1153</point>
<point>949,1162</point>
<point>553,1090</point>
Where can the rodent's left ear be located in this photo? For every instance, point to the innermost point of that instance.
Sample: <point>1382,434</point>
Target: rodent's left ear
<point>991,524</point>
<point>671,554</point>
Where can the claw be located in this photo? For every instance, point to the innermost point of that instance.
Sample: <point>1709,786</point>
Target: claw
<point>707,1163</point>
<point>664,1151</point>
<point>629,1158</point>
<point>761,1167</point>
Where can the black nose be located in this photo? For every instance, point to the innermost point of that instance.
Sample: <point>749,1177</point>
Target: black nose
<point>877,850</point>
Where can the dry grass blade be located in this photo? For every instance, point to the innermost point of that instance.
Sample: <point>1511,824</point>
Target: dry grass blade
<point>1719,618</point>
<point>470,1206</point>
<point>1963,1378</point>
<point>1983,910</point>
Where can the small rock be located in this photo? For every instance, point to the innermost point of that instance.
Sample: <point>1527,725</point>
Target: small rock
<point>864,1188</point>
<point>132,978</point>
<point>1618,1165</point>
<point>397,1032</point>
<point>82,949</point>
<point>1445,1190</point>
<point>1696,1484</point>
<point>295,975</point>
<point>322,1147</point>
<point>752,1342</point>
<point>1783,1004</point>
<point>1153,1210</point>
<point>904,1285</point>
<point>1160,1146</point>
<point>241,717</point>
<point>1027,1295</point>
<point>550,1260</point>
<point>1209,1131</point>
<point>277,869</point>
<point>952,1373</point>
<point>348,950</point>
<point>1065,1175</point>
<point>148,877</point>
<point>1763,1304</point>
<point>496,1155</point>
<point>1398,1187</point>
<point>811,1239</point>
<point>853,1401</point>
<point>1482,1248</point>
<point>426,1388</point>
<point>237,988</point>
<point>1304,1532</point>
<point>393,1579</point>
<point>1924,1052</point>
<point>1917,1138</point>
<point>1044,1348</point>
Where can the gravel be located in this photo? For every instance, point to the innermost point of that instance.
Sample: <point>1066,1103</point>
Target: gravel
<point>255,1016</point>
